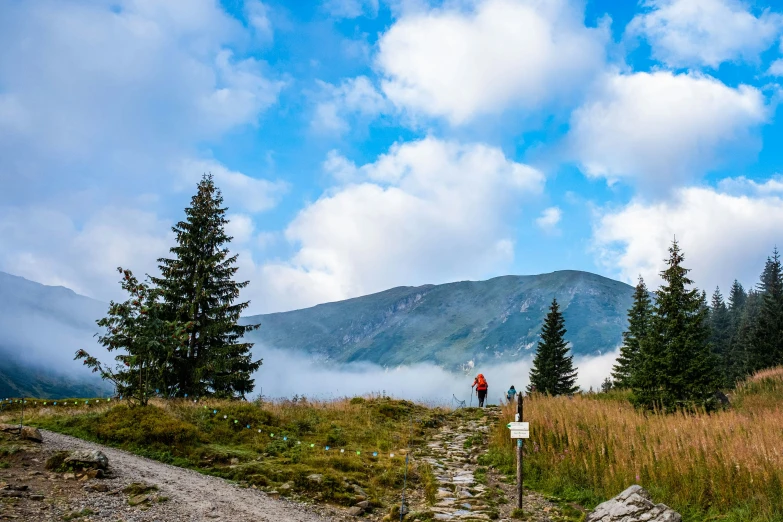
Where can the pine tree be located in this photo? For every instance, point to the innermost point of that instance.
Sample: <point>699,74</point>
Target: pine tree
<point>146,340</point>
<point>553,372</point>
<point>639,316</point>
<point>198,289</point>
<point>677,367</point>
<point>736,361</point>
<point>720,332</point>
<point>768,335</point>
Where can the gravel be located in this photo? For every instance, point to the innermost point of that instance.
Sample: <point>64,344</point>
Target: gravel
<point>192,497</point>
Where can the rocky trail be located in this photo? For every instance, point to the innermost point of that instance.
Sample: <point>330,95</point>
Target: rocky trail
<point>468,491</point>
<point>29,492</point>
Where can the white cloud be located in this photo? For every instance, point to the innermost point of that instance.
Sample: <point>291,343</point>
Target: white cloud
<point>776,68</point>
<point>248,193</point>
<point>351,8</point>
<point>723,236</point>
<point>549,219</point>
<point>743,185</point>
<point>663,128</point>
<point>354,96</point>
<point>425,212</point>
<point>107,94</point>
<point>258,16</point>
<point>47,246</point>
<point>686,33</point>
<point>240,227</point>
<point>458,63</point>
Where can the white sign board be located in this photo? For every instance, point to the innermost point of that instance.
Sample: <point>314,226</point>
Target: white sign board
<point>519,426</point>
<point>520,434</point>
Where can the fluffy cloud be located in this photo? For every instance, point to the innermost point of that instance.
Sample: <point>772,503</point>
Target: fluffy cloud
<point>458,63</point>
<point>425,212</point>
<point>663,128</point>
<point>48,246</point>
<point>723,236</point>
<point>239,190</point>
<point>118,88</point>
<point>686,33</point>
<point>549,219</point>
<point>354,96</point>
<point>258,16</point>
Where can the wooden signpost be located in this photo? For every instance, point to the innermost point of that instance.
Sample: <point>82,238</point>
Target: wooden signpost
<point>520,431</point>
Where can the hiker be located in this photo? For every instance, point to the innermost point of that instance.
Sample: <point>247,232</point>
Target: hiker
<point>511,393</point>
<point>481,388</point>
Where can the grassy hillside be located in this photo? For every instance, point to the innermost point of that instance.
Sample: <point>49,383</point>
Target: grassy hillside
<point>725,466</point>
<point>349,444</point>
<point>454,323</point>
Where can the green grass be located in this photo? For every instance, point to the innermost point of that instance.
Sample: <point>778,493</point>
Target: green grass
<point>189,435</point>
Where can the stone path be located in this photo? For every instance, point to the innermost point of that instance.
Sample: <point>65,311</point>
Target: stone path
<point>467,491</point>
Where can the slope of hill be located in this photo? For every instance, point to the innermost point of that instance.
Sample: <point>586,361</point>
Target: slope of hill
<point>454,324</point>
<point>41,327</point>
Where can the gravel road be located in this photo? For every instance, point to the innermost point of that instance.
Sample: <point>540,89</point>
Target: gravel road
<point>192,496</point>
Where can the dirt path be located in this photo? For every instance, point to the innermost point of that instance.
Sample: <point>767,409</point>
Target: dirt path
<point>190,496</point>
<point>468,491</point>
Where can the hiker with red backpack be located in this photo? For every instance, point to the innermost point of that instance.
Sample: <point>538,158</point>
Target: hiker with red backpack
<point>481,388</point>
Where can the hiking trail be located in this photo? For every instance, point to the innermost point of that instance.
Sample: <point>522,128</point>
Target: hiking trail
<point>468,491</point>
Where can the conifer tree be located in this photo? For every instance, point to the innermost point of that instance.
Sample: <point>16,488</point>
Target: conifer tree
<point>553,372</point>
<point>639,316</point>
<point>768,334</point>
<point>735,363</point>
<point>720,331</point>
<point>198,289</point>
<point>677,367</point>
<point>145,340</point>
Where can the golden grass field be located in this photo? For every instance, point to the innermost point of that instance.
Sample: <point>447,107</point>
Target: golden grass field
<point>722,466</point>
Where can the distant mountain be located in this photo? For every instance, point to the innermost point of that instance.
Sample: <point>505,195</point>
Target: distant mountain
<point>41,327</point>
<point>451,325</point>
<point>454,324</point>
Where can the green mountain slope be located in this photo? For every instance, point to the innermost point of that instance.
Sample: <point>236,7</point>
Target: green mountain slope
<point>41,327</point>
<point>454,324</point>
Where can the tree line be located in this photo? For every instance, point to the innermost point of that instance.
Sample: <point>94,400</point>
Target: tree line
<point>177,335</point>
<point>679,349</point>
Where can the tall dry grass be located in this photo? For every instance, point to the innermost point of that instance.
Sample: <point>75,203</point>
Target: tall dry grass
<point>728,463</point>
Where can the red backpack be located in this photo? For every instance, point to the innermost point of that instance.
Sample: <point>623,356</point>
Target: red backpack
<point>482,382</point>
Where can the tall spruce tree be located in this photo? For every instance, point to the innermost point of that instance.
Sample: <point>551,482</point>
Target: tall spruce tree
<point>768,334</point>
<point>553,371</point>
<point>198,289</point>
<point>639,316</point>
<point>677,366</point>
<point>720,333</point>
<point>736,360</point>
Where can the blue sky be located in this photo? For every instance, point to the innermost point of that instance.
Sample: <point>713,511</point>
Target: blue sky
<point>364,144</point>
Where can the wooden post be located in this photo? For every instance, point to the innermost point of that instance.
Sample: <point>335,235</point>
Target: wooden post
<point>519,454</point>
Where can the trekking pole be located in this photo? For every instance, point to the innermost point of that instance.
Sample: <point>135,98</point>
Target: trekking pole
<point>471,396</point>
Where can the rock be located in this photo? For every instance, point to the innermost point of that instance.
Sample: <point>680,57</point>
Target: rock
<point>87,459</point>
<point>68,476</point>
<point>355,511</point>
<point>30,433</point>
<point>633,505</point>
<point>315,477</point>
<point>234,461</point>
<point>95,473</point>
<point>273,494</point>
<point>36,497</point>
<point>101,488</point>
<point>363,504</point>
<point>135,500</point>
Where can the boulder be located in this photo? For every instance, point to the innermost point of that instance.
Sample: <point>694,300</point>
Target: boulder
<point>633,505</point>
<point>87,459</point>
<point>30,433</point>
<point>355,511</point>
